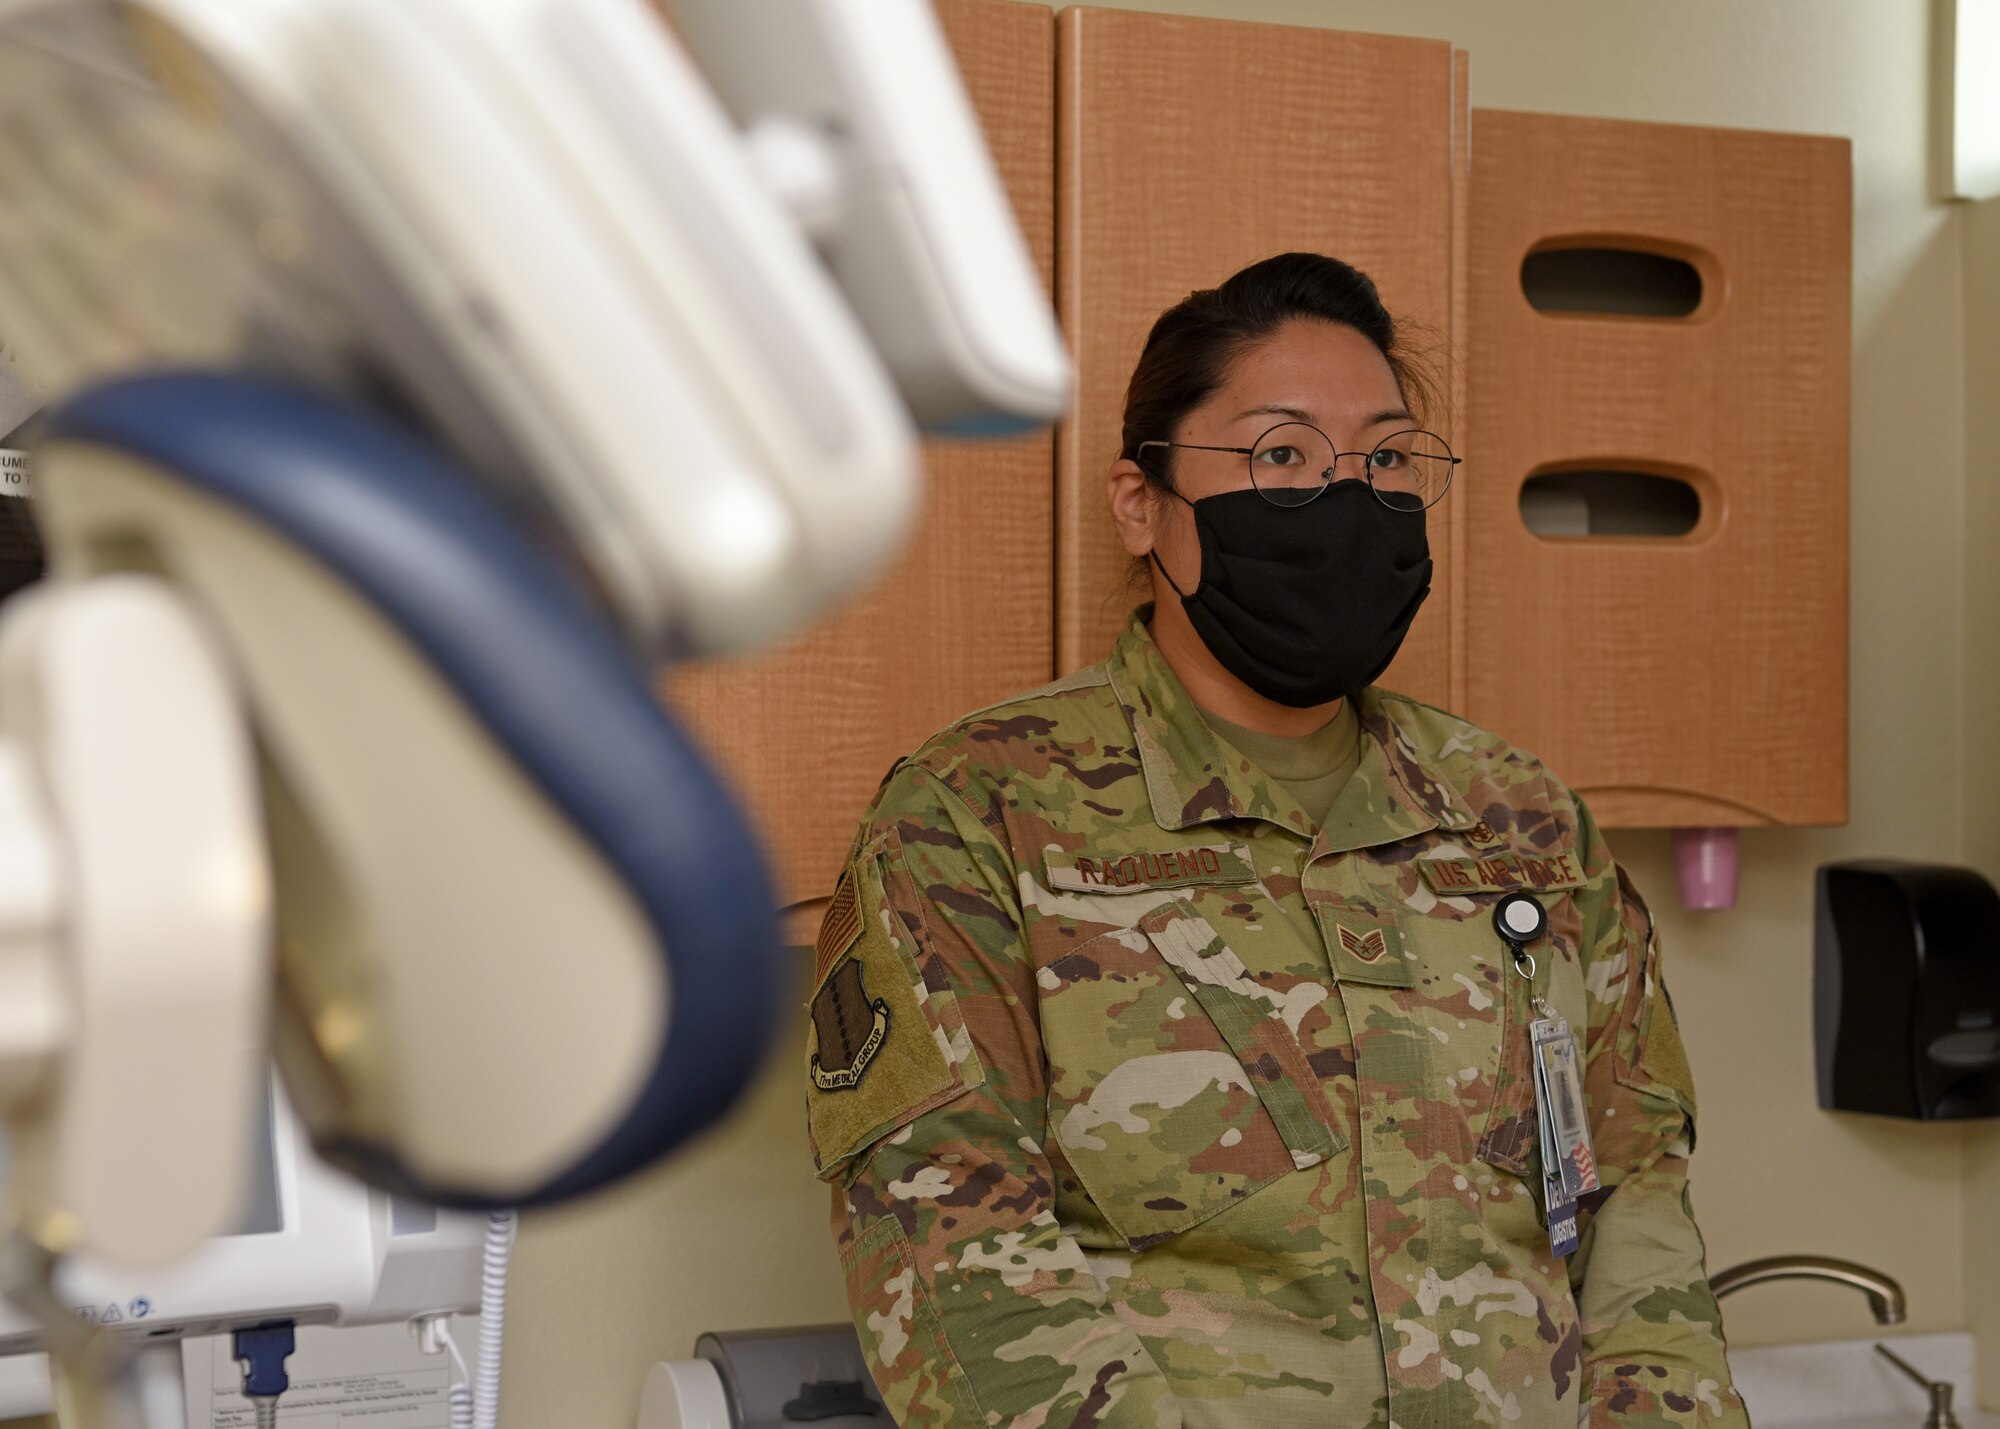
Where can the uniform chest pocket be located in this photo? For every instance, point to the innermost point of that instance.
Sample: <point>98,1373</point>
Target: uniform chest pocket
<point>1458,1018</point>
<point>1176,1088</point>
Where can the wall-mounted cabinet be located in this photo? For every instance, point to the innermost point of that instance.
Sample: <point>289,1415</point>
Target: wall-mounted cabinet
<point>1642,333</point>
<point>806,731</point>
<point>1189,148</point>
<point>1655,580</point>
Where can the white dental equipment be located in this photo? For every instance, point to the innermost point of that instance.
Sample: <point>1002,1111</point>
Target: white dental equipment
<point>312,1246</point>
<point>854,112</point>
<point>291,680</point>
<point>529,224</point>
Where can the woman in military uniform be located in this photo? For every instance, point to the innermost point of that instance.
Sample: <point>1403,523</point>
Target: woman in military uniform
<point>1167,1063</point>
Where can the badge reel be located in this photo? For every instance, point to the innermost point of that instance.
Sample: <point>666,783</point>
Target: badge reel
<point>1569,1166</point>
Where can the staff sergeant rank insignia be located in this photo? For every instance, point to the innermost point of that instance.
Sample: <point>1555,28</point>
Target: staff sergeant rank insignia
<point>849,1023</point>
<point>1368,946</point>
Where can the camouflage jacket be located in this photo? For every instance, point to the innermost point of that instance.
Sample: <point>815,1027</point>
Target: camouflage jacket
<point>1146,1103</point>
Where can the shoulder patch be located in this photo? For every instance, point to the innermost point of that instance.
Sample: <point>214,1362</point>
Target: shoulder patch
<point>839,928</point>
<point>848,1028</point>
<point>882,1044</point>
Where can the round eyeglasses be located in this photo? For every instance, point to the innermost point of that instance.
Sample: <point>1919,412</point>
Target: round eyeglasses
<point>1295,461</point>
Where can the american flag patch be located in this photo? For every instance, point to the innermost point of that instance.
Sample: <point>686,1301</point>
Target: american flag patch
<point>839,928</point>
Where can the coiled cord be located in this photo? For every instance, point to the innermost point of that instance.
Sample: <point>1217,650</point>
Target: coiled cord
<point>459,1396</point>
<point>493,1317</point>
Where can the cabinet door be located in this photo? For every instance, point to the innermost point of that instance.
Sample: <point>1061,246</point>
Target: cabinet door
<point>1692,679</point>
<point>806,730</point>
<point>1190,148</point>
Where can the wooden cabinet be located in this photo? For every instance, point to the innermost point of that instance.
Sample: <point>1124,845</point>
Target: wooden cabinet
<point>1189,148</point>
<point>1693,680</point>
<point>1697,679</point>
<point>805,731</point>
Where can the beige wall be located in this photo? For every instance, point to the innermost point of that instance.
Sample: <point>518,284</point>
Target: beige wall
<point>1981,814</point>
<point>733,1233</point>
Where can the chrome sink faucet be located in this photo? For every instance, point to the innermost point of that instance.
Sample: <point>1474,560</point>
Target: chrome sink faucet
<point>1885,1296</point>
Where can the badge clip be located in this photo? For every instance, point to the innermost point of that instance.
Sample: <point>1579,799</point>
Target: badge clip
<point>1569,1166</point>
<point>1520,919</point>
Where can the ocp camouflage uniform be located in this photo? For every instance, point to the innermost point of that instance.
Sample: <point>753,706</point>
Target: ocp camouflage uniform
<point>1145,1103</point>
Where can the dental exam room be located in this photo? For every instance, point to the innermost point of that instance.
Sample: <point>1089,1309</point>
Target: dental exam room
<point>1188,714</point>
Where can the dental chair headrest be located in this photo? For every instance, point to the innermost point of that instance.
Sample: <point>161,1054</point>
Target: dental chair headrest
<point>517,645</point>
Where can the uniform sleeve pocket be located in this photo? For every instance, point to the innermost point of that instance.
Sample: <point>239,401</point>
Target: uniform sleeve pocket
<point>1174,1091</point>
<point>883,1044</point>
<point>1623,1395</point>
<point>901,1334</point>
<point>1650,1056</point>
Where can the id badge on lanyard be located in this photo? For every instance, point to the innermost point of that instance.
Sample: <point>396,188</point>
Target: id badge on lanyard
<point>1569,1165</point>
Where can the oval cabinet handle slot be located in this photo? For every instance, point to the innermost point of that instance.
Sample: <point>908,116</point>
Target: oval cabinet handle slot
<point>1599,278</point>
<point>1609,501</point>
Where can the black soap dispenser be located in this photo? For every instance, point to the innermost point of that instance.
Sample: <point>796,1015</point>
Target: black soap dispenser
<point>1906,990</point>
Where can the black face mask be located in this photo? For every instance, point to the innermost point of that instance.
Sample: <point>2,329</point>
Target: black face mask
<point>1310,603</point>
